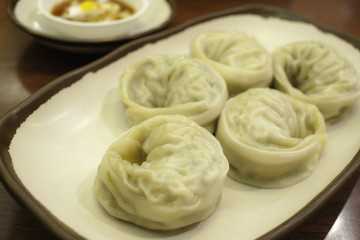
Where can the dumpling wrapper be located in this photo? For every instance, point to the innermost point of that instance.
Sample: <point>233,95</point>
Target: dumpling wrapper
<point>270,139</point>
<point>172,84</point>
<point>315,72</point>
<point>240,59</point>
<point>165,173</point>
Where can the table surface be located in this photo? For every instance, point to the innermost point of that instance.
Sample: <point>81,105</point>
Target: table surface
<point>26,66</point>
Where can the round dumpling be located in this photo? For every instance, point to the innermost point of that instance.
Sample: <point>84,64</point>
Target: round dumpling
<point>172,84</point>
<point>240,59</point>
<point>270,139</point>
<point>314,72</point>
<point>165,173</point>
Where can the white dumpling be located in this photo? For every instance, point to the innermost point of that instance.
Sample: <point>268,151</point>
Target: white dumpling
<point>172,84</point>
<point>313,71</point>
<point>270,139</point>
<point>165,173</point>
<point>239,58</point>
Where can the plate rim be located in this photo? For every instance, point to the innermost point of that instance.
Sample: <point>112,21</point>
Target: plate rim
<point>10,121</point>
<point>83,46</point>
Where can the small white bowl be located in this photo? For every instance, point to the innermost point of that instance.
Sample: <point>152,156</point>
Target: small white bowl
<point>90,31</point>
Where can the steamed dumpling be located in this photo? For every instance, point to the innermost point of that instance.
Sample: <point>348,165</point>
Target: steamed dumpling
<point>165,173</point>
<point>270,139</point>
<point>172,84</point>
<point>314,72</point>
<point>239,58</point>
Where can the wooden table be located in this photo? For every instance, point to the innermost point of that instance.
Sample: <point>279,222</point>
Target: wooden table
<point>26,66</point>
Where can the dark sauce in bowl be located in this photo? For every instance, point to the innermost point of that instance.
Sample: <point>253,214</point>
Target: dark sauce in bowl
<point>61,9</point>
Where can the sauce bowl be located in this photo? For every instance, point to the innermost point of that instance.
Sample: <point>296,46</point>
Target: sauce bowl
<point>90,31</point>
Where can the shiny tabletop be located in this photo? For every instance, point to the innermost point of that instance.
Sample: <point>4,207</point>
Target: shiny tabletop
<point>26,65</point>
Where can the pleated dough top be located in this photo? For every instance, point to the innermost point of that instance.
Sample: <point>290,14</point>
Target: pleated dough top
<point>172,84</point>
<point>313,71</point>
<point>164,173</point>
<point>239,58</point>
<point>270,139</point>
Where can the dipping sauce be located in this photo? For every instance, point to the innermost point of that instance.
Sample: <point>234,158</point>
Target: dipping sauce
<point>92,10</point>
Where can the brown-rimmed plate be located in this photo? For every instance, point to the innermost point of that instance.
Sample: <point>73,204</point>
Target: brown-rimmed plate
<point>25,15</point>
<point>53,142</point>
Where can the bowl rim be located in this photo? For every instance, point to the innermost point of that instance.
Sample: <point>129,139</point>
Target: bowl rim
<point>99,46</point>
<point>65,22</point>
